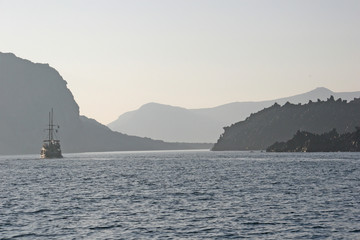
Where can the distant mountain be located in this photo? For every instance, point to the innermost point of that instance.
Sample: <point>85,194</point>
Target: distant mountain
<point>279,123</point>
<point>29,90</point>
<point>202,125</point>
<point>166,122</point>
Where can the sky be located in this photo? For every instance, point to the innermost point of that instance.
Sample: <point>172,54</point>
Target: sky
<point>117,55</point>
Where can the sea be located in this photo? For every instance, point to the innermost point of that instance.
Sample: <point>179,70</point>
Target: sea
<point>181,195</point>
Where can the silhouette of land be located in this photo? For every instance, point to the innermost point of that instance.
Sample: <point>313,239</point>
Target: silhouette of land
<point>29,90</point>
<point>171,123</point>
<point>279,123</point>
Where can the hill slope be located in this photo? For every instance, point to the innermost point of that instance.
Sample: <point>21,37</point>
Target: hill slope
<point>202,125</point>
<point>276,123</point>
<point>28,92</point>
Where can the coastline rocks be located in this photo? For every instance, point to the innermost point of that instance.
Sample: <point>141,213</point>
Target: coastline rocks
<point>327,142</point>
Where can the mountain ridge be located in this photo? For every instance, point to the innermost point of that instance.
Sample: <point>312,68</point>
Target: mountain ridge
<point>204,124</point>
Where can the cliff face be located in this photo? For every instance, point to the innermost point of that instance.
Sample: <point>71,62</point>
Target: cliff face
<point>279,123</point>
<point>29,90</point>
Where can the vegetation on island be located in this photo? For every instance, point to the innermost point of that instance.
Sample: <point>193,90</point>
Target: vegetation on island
<point>279,123</point>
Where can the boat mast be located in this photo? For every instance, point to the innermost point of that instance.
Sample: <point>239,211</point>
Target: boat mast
<point>51,126</point>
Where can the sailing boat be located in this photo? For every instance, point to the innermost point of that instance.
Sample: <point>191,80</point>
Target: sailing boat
<point>51,147</point>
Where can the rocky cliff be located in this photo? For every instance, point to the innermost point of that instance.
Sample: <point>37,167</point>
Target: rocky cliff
<point>29,90</point>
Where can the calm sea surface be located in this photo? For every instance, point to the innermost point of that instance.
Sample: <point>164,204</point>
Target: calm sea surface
<point>181,195</point>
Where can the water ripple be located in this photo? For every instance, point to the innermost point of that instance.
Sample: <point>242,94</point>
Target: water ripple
<point>181,195</point>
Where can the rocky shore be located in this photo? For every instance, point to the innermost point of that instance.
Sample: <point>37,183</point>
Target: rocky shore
<point>327,142</point>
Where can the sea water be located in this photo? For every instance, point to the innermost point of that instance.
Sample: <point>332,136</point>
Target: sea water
<point>181,195</point>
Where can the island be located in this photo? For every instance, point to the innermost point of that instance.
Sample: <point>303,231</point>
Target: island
<point>279,123</point>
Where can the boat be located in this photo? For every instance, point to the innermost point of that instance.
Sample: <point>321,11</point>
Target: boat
<point>51,146</point>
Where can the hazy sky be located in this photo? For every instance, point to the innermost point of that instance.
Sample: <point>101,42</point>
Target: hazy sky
<point>118,55</point>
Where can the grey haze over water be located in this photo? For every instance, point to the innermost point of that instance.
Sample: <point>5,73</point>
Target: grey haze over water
<point>181,195</point>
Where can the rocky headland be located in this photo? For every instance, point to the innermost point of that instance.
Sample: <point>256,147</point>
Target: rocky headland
<point>279,123</point>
